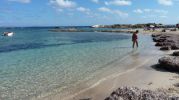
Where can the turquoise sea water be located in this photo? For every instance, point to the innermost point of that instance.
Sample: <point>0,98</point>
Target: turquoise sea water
<point>36,62</point>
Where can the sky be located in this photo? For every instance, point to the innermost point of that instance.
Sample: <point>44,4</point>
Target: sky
<point>87,12</point>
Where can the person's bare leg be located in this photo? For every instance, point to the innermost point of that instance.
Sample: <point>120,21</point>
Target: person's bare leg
<point>137,43</point>
<point>133,44</point>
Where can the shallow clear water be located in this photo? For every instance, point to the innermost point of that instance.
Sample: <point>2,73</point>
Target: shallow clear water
<point>36,62</point>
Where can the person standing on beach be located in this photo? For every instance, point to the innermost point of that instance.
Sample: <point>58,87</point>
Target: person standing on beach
<point>134,38</point>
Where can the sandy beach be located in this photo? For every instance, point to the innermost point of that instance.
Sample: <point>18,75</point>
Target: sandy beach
<point>89,50</point>
<point>139,71</point>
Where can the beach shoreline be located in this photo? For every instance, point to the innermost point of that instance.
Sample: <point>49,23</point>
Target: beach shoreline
<point>140,73</point>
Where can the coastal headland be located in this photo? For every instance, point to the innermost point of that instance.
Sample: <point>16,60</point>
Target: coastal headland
<point>119,28</point>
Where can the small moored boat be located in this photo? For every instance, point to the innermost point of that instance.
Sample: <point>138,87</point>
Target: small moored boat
<point>8,33</point>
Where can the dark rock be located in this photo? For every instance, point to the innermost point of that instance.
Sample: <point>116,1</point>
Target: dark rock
<point>174,47</point>
<point>159,44</point>
<point>163,37</point>
<point>173,29</point>
<point>153,35</point>
<point>165,48</point>
<point>169,63</point>
<point>108,98</point>
<point>167,41</point>
<point>167,45</point>
<point>156,35</point>
<point>176,53</point>
<point>163,30</point>
<point>164,44</point>
<point>133,93</point>
<point>170,41</point>
<point>158,39</point>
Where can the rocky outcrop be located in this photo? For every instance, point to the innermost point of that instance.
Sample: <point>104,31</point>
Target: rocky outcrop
<point>170,63</point>
<point>133,93</point>
<point>159,39</point>
<point>174,47</point>
<point>155,35</point>
<point>176,53</point>
<point>165,48</point>
<point>166,41</point>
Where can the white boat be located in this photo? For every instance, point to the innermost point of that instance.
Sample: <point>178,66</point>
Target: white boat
<point>8,33</point>
<point>96,26</point>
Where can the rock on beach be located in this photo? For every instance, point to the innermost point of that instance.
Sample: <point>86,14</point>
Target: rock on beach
<point>134,93</point>
<point>166,41</point>
<point>170,63</point>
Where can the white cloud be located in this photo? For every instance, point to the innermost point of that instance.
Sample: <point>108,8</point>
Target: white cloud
<point>154,13</point>
<point>147,10</point>
<point>119,2</point>
<point>82,9</point>
<point>95,1</point>
<point>117,12</point>
<point>149,16</point>
<point>86,11</point>
<point>63,3</point>
<point>104,9</point>
<point>120,13</point>
<point>165,2</point>
<point>21,1</point>
<point>159,11</point>
<point>154,16</point>
<point>163,16</point>
<point>138,11</point>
